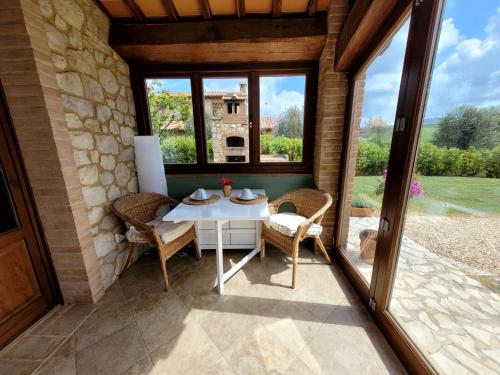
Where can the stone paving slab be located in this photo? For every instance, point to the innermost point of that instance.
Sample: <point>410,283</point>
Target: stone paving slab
<point>453,319</point>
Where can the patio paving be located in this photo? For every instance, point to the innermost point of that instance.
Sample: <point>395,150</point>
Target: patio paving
<point>451,317</point>
<point>260,326</point>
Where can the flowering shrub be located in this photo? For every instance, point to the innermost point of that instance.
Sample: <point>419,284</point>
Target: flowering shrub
<point>416,189</point>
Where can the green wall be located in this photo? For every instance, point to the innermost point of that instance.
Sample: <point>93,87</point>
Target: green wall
<point>180,186</point>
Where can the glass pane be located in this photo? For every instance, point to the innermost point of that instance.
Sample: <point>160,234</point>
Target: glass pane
<point>282,118</point>
<point>445,293</point>
<point>8,218</point>
<point>171,114</point>
<point>225,107</point>
<point>374,110</point>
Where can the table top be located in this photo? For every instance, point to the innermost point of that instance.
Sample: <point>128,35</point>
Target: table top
<point>224,209</point>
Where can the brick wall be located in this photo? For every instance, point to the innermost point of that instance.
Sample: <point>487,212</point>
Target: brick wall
<point>358,100</point>
<point>332,93</point>
<point>29,81</point>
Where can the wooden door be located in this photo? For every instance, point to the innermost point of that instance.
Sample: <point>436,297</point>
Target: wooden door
<point>27,289</point>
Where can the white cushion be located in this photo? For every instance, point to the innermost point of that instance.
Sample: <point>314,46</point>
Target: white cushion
<point>168,230</point>
<point>287,224</point>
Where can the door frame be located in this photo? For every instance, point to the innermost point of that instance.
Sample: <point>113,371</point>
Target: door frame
<point>418,62</point>
<point>46,279</point>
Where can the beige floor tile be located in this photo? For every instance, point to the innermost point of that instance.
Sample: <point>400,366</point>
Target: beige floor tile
<point>17,366</point>
<point>143,367</point>
<point>191,352</point>
<point>298,367</point>
<point>221,367</point>
<point>62,362</point>
<point>59,324</point>
<point>260,353</point>
<point>161,323</point>
<point>105,320</point>
<point>226,329</point>
<point>32,347</point>
<point>112,354</point>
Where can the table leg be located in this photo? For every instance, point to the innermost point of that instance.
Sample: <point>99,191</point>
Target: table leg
<point>219,256</point>
<point>258,234</point>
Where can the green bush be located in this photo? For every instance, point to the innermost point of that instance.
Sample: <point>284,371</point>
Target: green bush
<point>372,159</point>
<point>433,161</point>
<point>180,149</point>
<point>281,145</point>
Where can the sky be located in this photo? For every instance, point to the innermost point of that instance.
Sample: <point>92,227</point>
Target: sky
<point>466,70</point>
<point>276,92</point>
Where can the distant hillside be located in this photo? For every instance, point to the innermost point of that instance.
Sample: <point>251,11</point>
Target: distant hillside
<point>431,121</point>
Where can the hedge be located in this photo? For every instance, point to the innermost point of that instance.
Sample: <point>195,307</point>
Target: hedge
<point>433,161</point>
<point>182,148</point>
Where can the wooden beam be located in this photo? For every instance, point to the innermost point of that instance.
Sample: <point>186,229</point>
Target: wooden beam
<point>216,31</point>
<point>240,8</point>
<point>312,6</point>
<point>171,11</point>
<point>363,23</point>
<point>136,10</point>
<point>205,9</point>
<point>277,4</point>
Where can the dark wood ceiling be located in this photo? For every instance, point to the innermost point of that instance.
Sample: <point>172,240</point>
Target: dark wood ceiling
<point>148,11</point>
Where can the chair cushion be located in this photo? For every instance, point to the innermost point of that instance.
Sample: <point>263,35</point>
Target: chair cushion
<point>287,224</point>
<point>169,230</point>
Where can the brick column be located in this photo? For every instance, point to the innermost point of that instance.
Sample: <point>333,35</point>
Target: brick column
<point>332,94</point>
<point>358,101</point>
<point>34,100</point>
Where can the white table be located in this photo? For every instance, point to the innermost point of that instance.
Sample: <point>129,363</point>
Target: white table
<point>221,212</point>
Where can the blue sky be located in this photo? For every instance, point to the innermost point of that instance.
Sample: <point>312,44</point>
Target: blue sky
<point>276,92</point>
<point>466,70</point>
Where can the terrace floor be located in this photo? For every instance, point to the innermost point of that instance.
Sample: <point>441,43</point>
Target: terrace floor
<point>260,326</point>
<point>451,317</point>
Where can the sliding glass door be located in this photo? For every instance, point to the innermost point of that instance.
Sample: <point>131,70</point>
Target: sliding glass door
<point>445,293</point>
<point>434,283</point>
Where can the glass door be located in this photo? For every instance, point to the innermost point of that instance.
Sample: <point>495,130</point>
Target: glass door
<point>376,89</point>
<point>445,293</point>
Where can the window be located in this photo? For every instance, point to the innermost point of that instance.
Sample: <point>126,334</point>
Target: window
<point>233,120</point>
<point>171,116</point>
<point>282,118</point>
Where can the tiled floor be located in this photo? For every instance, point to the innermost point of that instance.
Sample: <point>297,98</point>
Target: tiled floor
<point>260,326</point>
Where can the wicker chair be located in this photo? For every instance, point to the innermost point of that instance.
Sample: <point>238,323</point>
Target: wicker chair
<point>309,203</point>
<point>139,211</point>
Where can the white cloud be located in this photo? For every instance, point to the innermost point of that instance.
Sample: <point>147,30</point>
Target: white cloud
<point>449,35</point>
<point>272,102</point>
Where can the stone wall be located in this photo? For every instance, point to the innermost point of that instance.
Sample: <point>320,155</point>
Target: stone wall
<point>332,94</point>
<point>100,116</point>
<point>220,132</point>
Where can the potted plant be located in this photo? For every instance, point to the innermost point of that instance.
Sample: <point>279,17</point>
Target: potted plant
<point>226,184</point>
<point>361,208</point>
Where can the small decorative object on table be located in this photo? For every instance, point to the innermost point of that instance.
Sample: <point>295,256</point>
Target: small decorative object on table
<point>227,185</point>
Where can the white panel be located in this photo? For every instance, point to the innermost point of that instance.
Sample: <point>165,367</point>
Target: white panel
<point>209,237</point>
<point>237,224</point>
<point>210,225</point>
<point>243,239</point>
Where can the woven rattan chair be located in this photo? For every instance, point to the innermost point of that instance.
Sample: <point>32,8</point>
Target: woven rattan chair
<point>139,211</point>
<point>312,205</point>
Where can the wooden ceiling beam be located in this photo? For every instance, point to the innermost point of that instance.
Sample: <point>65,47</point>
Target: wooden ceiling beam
<point>216,31</point>
<point>205,9</point>
<point>136,10</point>
<point>240,8</point>
<point>312,7</point>
<point>365,20</point>
<point>277,5</point>
<point>171,10</point>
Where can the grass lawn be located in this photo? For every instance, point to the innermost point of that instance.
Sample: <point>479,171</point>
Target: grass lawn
<point>471,196</point>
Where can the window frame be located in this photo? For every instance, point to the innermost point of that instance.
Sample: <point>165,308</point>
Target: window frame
<point>196,73</point>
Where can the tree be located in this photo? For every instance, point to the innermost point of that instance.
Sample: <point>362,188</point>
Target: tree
<point>378,131</point>
<point>469,126</point>
<point>167,109</point>
<point>290,123</point>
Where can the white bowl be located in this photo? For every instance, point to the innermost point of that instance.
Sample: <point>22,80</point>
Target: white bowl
<point>199,195</point>
<point>247,195</point>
